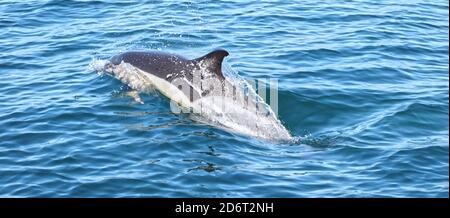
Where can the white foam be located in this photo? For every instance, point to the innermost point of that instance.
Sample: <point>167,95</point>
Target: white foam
<point>98,65</point>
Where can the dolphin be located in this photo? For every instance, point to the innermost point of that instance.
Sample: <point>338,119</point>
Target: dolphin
<point>162,64</point>
<point>165,70</point>
<point>197,83</point>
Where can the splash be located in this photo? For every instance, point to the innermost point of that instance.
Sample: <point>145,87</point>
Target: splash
<point>240,109</point>
<point>98,65</point>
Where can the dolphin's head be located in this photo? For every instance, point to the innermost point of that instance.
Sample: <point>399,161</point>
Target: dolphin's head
<point>116,59</point>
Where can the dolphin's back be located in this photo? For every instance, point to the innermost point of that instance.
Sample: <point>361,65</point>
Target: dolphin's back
<point>163,64</point>
<point>169,67</point>
<point>157,63</point>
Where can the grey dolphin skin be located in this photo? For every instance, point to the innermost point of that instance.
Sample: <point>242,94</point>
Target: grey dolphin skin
<point>171,66</point>
<point>161,64</point>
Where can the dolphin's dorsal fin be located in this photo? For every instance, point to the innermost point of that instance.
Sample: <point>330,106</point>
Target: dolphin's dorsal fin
<point>214,61</point>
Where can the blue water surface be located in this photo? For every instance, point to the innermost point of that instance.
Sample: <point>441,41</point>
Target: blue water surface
<point>363,84</point>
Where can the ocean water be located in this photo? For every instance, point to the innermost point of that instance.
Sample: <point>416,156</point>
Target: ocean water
<point>362,84</point>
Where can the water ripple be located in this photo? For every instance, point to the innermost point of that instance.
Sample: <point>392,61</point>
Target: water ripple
<point>363,87</point>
